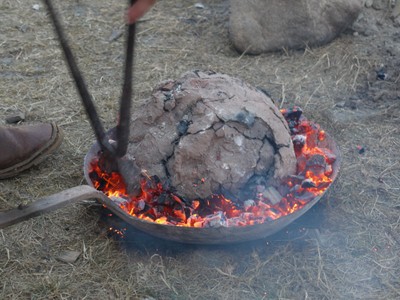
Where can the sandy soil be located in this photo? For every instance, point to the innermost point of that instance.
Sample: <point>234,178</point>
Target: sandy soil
<point>347,247</point>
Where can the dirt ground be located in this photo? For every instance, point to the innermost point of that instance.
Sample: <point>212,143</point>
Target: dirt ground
<point>346,247</point>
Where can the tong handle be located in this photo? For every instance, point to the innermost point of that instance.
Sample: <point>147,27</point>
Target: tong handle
<point>125,103</point>
<point>80,83</point>
<point>126,96</point>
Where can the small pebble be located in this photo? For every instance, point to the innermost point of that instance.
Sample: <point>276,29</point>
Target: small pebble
<point>368,3</point>
<point>199,5</point>
<point>15,117</point>
<point>361,149</point>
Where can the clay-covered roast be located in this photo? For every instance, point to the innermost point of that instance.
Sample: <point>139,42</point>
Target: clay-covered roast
<point>208,132</point>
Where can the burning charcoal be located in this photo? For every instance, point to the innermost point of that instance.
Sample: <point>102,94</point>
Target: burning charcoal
<point>166,185</point>
<point>216,220</point>
<point>180,216</point>
<point>188,211</point>
<point>284,187</point>
<point>296,178</point>
<point>324,185</point>
<point>155,212</point>
<point>306,196</point>
<point>247,216</point>
<point>163,220</point>
<point>185,201</point>
<point>296,189</point>
<point>275,212</point>
<point>141,205</point>
<point>301,163</point>
<point>330,157</point>
<point>272,195</point>
<point>155,179</point>
<point>150,183</point>
<point>236,221</point>
<point>263,206</point>
<point>316,164</point>
<point>165,199</point>
<point>161,199</point>
<point>254,186</point>
<point>248,203</point>
<point>299,141</point>
<point>195,221</point>
<point>293,114</point>
<point>118,200</point>
<point>95,177</point>
<point>328,169</point>
<point>308,183</point>
<point>177,199</point>
<point>321,135</point>
<point>228,195</point>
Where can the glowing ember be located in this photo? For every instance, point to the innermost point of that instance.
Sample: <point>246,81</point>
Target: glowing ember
<point>159,203</point>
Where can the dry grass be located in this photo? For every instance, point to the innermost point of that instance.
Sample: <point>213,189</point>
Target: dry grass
<point>348,247</point>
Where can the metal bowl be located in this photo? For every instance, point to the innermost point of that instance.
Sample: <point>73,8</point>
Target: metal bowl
<point>219,235</point>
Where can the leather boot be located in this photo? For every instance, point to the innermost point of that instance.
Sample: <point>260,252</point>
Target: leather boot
<point>25,146</point>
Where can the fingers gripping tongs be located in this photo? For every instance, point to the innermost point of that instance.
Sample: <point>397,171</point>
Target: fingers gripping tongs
<point>113,157</point>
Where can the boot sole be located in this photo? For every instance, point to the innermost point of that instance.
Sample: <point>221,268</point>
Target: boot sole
<point>52,145</point>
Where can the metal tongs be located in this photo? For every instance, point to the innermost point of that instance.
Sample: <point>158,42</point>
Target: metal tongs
<point>113,157</point>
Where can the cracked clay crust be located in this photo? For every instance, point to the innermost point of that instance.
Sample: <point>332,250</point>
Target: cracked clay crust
<point>208,132</point>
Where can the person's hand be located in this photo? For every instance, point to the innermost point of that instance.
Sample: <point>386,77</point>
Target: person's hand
<point>138,9</point>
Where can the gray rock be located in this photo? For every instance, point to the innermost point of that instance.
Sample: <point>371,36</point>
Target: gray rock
<point>396,10</point>
<point>258,26</point>
<point>368,3</point>
<point>380,4</point>
<point>366,25</point>
<point>396,21</point>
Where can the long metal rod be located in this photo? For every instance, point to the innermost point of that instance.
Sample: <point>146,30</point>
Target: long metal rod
<point>126,96</point>
<point>80,83</point>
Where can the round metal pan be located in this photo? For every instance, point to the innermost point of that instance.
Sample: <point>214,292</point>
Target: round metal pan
<point>220,235</point>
